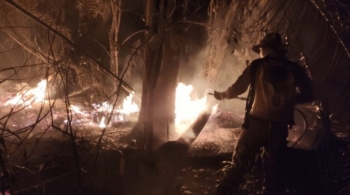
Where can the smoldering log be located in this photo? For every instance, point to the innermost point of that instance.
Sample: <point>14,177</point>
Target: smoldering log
<point>174,154</point>
<point>195,129</point>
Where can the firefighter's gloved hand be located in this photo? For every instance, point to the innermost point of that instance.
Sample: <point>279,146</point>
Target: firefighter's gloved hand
<point>218,95</point>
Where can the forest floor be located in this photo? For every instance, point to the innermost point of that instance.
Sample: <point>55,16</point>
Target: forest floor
<point>200,175</point>
<point>51,164</point>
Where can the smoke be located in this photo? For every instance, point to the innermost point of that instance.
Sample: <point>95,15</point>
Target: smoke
<point>207,68</point>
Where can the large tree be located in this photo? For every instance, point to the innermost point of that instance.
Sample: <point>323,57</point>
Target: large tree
<point>162,54</point>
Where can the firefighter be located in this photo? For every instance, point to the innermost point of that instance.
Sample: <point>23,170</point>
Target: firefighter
<point>275,86</point>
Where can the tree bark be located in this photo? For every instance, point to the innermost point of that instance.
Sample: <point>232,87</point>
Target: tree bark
<point>113,36</point>
<point>166,86</point>
<point>152,68</point>
<point>161,71</point>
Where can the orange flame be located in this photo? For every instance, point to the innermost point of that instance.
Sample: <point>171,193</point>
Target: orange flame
<point>129,106</point>
<point>34,95</point>
<point>187,109</point>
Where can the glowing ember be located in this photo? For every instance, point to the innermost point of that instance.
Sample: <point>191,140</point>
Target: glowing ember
<point>104,107</point>
<point>76,109</point>
<point>128,106</point>
<point>26,98</point>
<point>186,108</point>
<point>102,123</point>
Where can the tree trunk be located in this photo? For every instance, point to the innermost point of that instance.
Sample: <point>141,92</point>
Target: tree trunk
<point>161,70</point>
<point>152,68</point>
<point>113,35</point>
<point>166,86</point>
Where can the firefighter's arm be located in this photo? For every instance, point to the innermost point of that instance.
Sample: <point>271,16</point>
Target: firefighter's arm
<point>237,88</point>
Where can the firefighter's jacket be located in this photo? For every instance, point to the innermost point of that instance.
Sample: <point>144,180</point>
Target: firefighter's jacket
<point>279,85</point>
